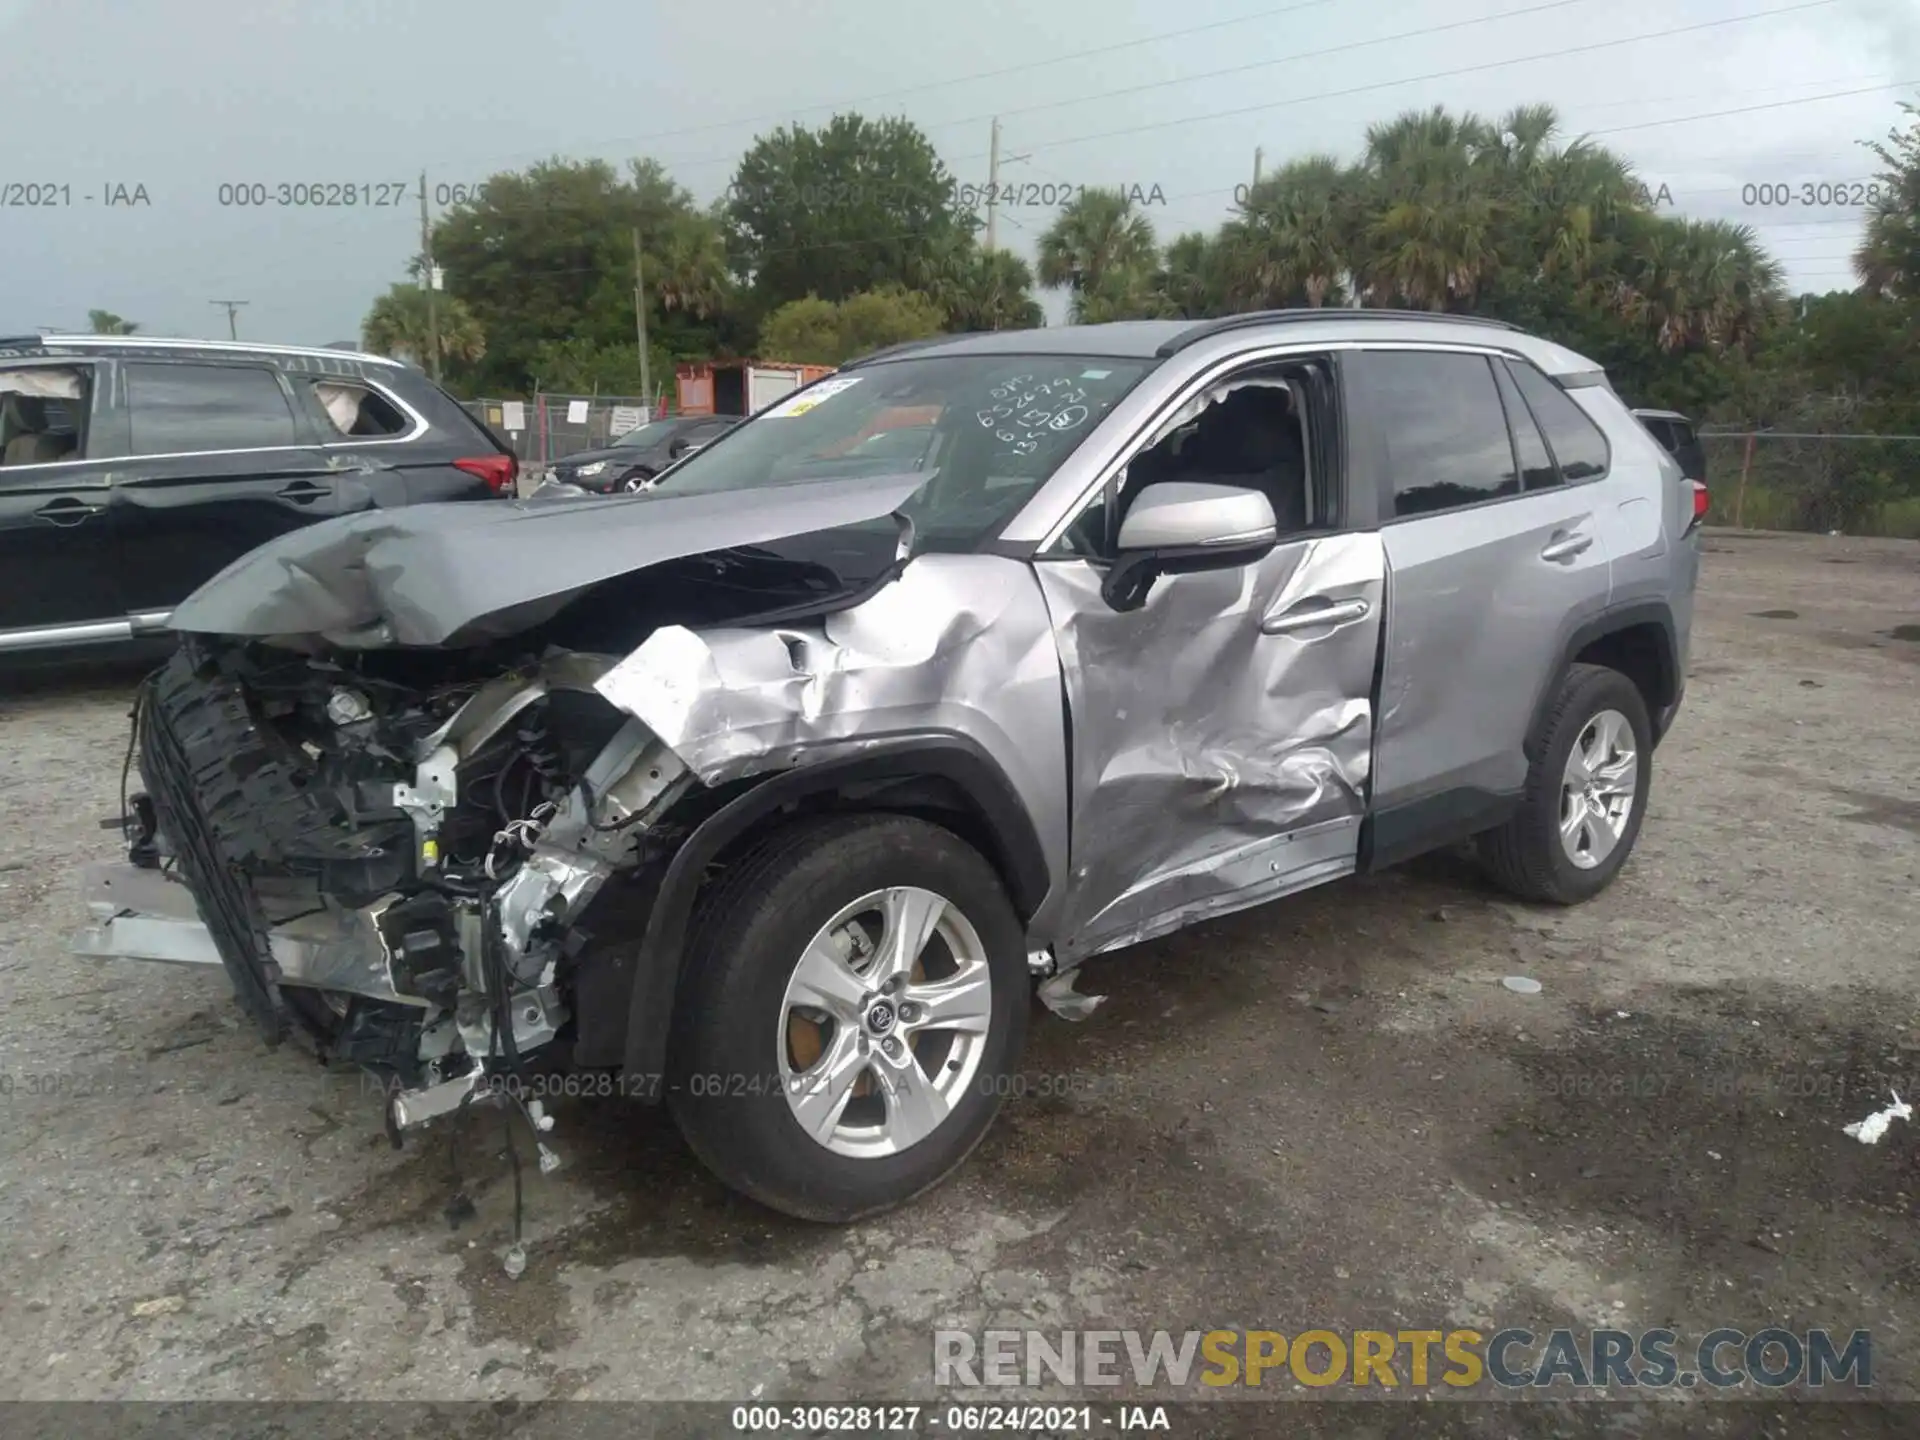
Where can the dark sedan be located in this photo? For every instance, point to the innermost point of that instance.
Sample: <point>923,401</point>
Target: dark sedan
<point>639,455</point>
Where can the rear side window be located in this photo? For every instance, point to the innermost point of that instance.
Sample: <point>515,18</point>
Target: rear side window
<point>1577,444</point>
<point>43,414</point>
<point>1444,431</point>
<point>355,411</point>
<point>185,408</point>
<point>1536,465</point>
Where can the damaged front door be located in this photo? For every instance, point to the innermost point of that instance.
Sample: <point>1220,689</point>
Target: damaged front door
<point>1222,730</point>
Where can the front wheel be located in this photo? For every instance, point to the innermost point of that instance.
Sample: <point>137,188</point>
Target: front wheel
<point>1586,793</point>
<point>636,482</point>
<point>856,1001</point>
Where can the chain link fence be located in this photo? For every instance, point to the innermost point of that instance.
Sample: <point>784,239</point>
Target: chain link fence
<point>548,427</point>
<point>1852,484</point>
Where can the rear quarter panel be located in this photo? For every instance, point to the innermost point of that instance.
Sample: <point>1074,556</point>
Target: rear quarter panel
<point>1654,559</point>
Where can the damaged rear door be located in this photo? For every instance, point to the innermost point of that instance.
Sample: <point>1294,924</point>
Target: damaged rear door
<point>1222,732</point>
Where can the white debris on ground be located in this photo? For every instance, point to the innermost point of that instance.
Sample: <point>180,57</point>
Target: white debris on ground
<point>1062,999</point>
<point>1869,1130</point>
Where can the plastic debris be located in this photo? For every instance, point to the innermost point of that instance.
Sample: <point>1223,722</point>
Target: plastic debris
<point>1869,1130</point>
<point>1059,996</point>
<point>1522,984</point>
<point>516,1263</point>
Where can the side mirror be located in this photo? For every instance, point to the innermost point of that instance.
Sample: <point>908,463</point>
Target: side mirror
<point>676,449</point>
<point>1179,527</point>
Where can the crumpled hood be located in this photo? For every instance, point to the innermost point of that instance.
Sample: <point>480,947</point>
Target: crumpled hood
<point>422,574</point>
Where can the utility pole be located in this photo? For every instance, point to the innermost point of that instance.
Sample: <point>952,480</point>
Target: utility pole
<point>993,183</point>
<point>429,277</point>
<point>233,306</point>
<point>640,324</point>
<point>1258,156</point>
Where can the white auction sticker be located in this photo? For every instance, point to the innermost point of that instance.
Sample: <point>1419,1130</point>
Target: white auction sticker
<point>806,399</point>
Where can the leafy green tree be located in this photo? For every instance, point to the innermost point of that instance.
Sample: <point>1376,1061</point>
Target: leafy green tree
<point>839,210</point>
<point>806,331</point>
<point>547,254</point>
<point>398,324</point>
<point>1888,260</point>
<point>105,322</point>
<point>820,332</point>
<point>579,366</point>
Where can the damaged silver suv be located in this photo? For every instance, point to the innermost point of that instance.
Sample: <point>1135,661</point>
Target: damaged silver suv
<point>770,792</point>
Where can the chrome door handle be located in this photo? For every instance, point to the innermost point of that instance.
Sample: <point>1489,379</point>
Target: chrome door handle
<point>1314,614</point>
<point>67,510</point>
<point>302,491</point>
<point>1565,547</point>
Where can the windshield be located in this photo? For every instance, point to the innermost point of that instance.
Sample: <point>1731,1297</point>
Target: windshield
<point>648,434</point>
<point>988,430</point>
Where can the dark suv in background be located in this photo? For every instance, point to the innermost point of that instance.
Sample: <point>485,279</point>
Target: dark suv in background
<point>1676,435</point>
<point>641,454</point>
<point>133,469</point>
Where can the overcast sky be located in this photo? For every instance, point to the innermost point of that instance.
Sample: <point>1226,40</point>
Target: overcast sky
<point>180,98</point>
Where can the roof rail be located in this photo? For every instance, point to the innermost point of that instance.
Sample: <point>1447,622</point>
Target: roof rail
<point>1275,317</point>
<point>12,342</point>
<point>888,351</point>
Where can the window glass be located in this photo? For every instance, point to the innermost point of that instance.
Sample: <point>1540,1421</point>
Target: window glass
<point>1536,465</point>
<point>1001,425</point>
<point>43,413</point>
<point>1445,434</point>
<point>654,432</point>
<point>356,411</point>
<point>1575,440</point>
<point>184,408</point>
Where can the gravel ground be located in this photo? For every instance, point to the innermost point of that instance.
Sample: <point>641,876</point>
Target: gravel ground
<point>1325,1112</point>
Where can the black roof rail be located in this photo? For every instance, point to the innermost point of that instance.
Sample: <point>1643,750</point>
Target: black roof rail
<point>1328,312</point>
<point>888,351</point>
<point>14,342</point>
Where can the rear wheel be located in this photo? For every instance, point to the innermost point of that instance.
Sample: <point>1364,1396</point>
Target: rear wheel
<point>857,995</point>
<point>1586,793</point>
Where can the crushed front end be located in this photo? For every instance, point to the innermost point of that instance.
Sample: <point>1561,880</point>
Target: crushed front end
<point>392,855</point>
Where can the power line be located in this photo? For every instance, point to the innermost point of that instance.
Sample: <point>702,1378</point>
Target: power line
<point>1750,109</point>
<point>921,89</point>
<point>1283,60</point>
<point>1431,75</point>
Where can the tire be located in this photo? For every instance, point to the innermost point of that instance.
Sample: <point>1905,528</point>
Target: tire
<point>634,483</point>
<point>736,1052</point>
<point>1528,856</point>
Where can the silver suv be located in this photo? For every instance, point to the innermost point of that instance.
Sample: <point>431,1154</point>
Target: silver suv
<point>772,791</point>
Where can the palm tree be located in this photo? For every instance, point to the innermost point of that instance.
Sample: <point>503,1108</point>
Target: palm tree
<point>1436,210</point>
<point>989,290</point>
<point>1099,241</point>
<point>1293,240</point>
<point>1192,277</point>
<point>1697,283</point>
<point>105,322</point>
<point>690,272</point>
<point>398,324</point>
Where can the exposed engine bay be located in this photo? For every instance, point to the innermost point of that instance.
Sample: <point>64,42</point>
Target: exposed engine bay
<point>396,867</point>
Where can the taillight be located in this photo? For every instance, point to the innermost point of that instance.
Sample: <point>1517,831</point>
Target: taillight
<point>499,471</point>
<point>1700,501</point>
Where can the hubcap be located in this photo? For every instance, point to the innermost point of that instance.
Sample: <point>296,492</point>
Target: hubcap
<point>884,1022</point>
<point>1597,791</point>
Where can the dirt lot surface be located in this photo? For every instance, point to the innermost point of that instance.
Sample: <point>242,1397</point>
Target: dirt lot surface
<point>1324,1113</point>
